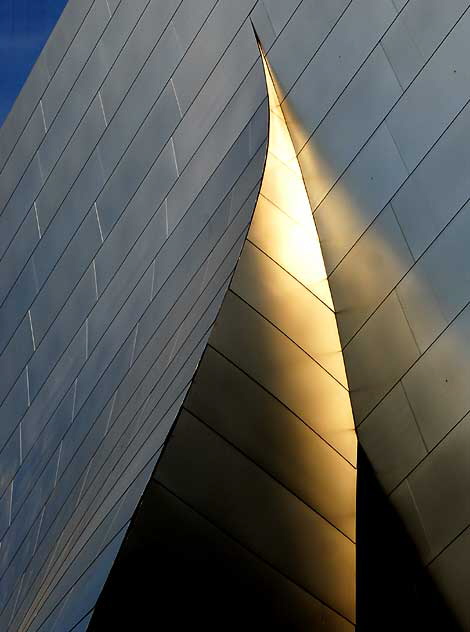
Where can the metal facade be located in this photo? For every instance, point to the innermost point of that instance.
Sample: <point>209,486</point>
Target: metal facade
<point>130,168</point>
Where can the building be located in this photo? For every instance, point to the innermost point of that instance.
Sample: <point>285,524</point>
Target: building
<point>187,356</point>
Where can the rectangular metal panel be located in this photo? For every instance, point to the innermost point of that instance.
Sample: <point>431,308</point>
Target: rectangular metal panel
<point>403,502</point>
<point>222,25</point>
<point>301,37</point>
<point>137,161</point>
<point>150,100</point>
<point>440,488</point>
<point>305,388</point>
<point>223,397</point>
<point>358,197</point>
<point>72,161</point>
<point>402,52</point>
<point>451,570</point>
<point>21,156</point>
<point>18,253</point>
<point>336,141</point>
<point>327,75</point>
<point>289,306</point>
<point>280,11</point>
<point>369,271</point>
<point>216,93</point>
<point>229,481</point>
<point>437,386</point>
<point>392,440</point>
<point>378,356</point>
<point>66,274</point>
<point>441,90</point>
<point>435,290</point>
<point>20,203</point>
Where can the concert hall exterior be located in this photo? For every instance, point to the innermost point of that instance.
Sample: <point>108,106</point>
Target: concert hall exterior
<point>235,319</point>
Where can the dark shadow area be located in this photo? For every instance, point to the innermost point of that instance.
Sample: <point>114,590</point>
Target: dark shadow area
<point>176,568</point>
<point>394,590</point>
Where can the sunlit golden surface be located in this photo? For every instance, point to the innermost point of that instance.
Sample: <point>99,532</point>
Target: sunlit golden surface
<point>284,230</point>
<point>287,403</point>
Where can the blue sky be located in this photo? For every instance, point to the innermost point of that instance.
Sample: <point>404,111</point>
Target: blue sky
<point>25,26</point>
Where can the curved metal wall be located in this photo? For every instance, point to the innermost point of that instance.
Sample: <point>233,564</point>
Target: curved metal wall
<point>125,200</point>
<point>376,97</point>
<point>379,94</point>
<point>251,508</point>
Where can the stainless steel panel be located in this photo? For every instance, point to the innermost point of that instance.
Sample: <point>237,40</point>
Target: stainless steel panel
<point>356,114</point>
<point>52,392</point>
<point>82,593</point>
<point>327,75</point>
<point>403,501</point>
<point>10,455</point>
<point>391,439</point>
<point>440,488</point>
<point>150,98</point>
<point>14,407</point>
<point>122,467</point>
<point>290,307</point>
<point>189,18</point>
<point>146,213</point>
<point>28,513</point>
<point>42,451</point>
<point>18,253</point>
<point>369,272</point>
<point>437,385</point>
<point>263,25</point>
<point>358,197</point>
<point>20,203</point>
<point>228,485</point>
<point>378,356</point>
<point>70,268</point>
<point>304,387</point>
<point>205,51</point>
<point>261,589</point>
<point>118,30</point>
<point>137,160</point>
<point>17,303</point>
<point>69,219</point>
<point>441,90</point>
<point>135,52</point>
<point>197,234</point>
<point>21,156</point>
<point>215,94</point>
<point>301,36</point>
<point>436,288</point>
<point>14,358</point>
<point>428,21</point>
<point>218,155</point>
<point>280,12</point>
<point>72,161</point>
<point>451,571</point>
<point>62,329</point>
<point>115,319</point>
<point>402,51</point>
<point>65,31</point>
<point>223,397</point>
